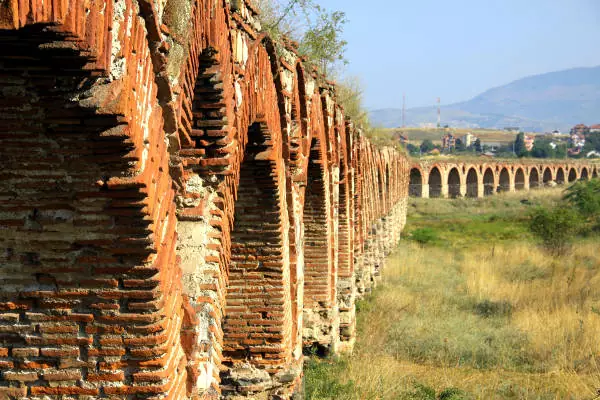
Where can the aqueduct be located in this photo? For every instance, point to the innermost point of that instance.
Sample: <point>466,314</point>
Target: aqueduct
<point>183,206</point>
<point>479,178</point>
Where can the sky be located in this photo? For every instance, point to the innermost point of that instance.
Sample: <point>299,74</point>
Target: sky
<point>456,49</point>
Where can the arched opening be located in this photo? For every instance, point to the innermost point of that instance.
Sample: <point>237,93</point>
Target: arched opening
<point>472,183</point>
<point>488,182</point>
<point>560,176</point>
<point>572,175</point>
<point>547,175</point>
<point>258,296</point>
<point>504,182</point>
<point>584,174</point>
<point>454,183</point>
<point>415,187</point>
<point>534,178</point>
<point>519,179</point>
<point>318,270</point>
<point>435,183</point>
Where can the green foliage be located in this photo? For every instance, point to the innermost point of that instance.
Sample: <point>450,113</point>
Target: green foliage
<point>322,41</point>
<point>585,197</point>
<point>349,94</point>
<point>477,146</point>
<point>427,146</point>
<point>322,380</point>
<point>542,148</point>
<point>519,146</point>
<point>317,30</point>
<point>453,394</point>
<point>424,235</point>
<point>422,392</point>
<point>555,227</point>
<point>488,309</point>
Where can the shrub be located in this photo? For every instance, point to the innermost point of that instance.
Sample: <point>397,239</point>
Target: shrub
<point>424,235</point>
<point>555,227</point>
<point>585,197</point>
<point>453,394</point>
<point>488,308</point>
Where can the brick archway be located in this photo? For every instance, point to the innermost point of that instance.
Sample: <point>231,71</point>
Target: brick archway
<point>416,183</point>
<point>435,182</point>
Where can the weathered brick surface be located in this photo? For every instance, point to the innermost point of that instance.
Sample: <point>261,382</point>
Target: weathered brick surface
<point>478,179</point>
<point>183,205</point>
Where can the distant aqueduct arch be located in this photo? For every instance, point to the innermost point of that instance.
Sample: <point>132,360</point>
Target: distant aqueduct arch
<point>456,178</point>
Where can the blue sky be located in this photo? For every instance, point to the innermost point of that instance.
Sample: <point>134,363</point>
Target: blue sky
<point>456,49</point>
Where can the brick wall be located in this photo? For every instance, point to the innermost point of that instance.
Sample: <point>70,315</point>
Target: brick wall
<point>183,205</point>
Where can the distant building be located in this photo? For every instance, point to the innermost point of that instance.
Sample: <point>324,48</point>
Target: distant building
<point>556,132</point>
<point>512,129</point>
<point>468,139</point>
<point>577,140</point>
<point>448,142</point>
<point>529,140</point>
<point>580,129</point>
<point>595,128</point>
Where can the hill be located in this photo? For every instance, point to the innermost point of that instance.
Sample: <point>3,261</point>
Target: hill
<point>556,100</point>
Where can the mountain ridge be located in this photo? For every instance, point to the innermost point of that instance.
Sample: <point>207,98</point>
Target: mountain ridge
<point>543,102</point>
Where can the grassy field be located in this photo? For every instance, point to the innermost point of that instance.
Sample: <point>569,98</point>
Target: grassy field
<point>417,135</point>
<point>476,312</point>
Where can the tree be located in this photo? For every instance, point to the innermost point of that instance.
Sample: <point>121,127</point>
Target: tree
<point>426,146</point>
<point>412,149</point>
<point>477,146</point>
<point>555,227</point>
<point>519,146</point>
<point>322,42</point>
<point>459,145</point>
<point>585,198</point>
<point>317,30</point>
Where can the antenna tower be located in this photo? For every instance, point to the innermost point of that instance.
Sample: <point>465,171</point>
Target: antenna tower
<point>439,124</point>
<point>403,110</point>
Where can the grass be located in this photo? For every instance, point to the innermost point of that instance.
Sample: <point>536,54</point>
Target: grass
<point>417,135</point>
<point>478,312</point>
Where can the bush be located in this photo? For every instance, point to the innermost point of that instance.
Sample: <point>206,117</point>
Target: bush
<point>555,227</point>
<point>585,198</point>
<point>424,235</point>
<point>453,394</point>
<point>489,309</point>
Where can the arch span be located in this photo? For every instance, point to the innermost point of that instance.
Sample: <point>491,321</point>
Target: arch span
<point>504,180</point>
<point>454,184</point>
<point>416,183</point>
<point>572,175</point>
<point>489,184</point>
<point>560,176</point>
<point>547,176</point>
<point>435,182</point>
<point>472,183</point>
<point>534,178</point>
<point>519,179</point>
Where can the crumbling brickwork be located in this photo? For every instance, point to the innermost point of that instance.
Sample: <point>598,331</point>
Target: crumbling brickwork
<point>184,207</point>
<point>478,179</point>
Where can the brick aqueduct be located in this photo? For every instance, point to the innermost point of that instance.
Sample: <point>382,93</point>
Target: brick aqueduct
<point>183,206</point>
<point>477,179</point>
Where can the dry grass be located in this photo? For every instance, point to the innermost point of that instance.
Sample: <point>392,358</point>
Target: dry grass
<point>497,321</point>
